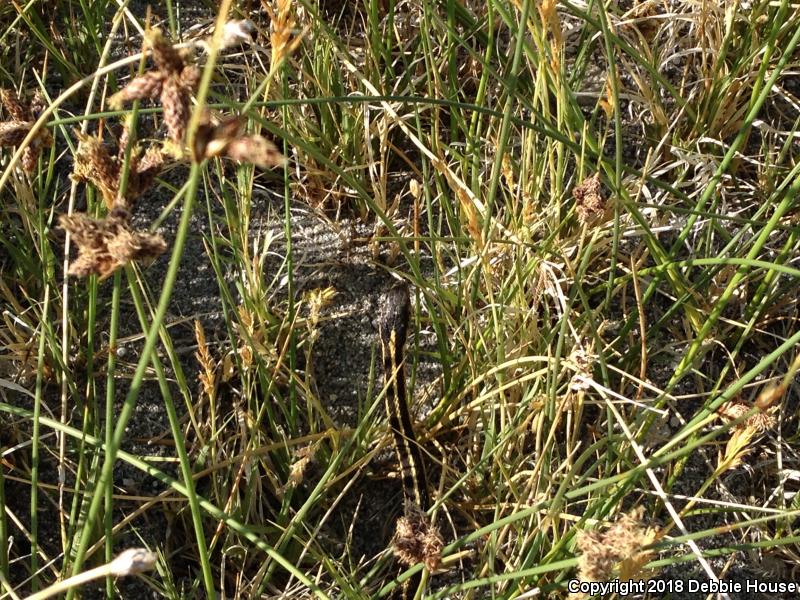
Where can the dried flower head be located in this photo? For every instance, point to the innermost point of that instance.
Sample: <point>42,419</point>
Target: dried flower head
<point>22,117</point>
<point>225,138</point>
<point>214,135</point>
<point>94,162</point>
<point>745,432</point>
<point>302,458</point>
<point>144,171</point>
<point>417,540</point>
<point>13,132</point>
<point>733,410</point>
<point>618,548</point>
<point>12,105</point>
<point>173,83</point>
<point>759,422</point>
<point>257,150</point>
<point>589,202</point>
<point>104,245</point>
<point>508,173</point>
<point>597,560</point>
<point>208,366</point>
<point>282,36</point>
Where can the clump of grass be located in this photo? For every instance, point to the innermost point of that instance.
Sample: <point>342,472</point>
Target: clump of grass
<point>594,206</point>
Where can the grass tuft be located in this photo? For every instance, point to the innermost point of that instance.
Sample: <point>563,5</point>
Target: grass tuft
<point>594,204</point>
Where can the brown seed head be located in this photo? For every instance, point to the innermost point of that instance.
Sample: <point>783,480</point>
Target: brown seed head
<point>257,150</point>
<point>757,423</point>
<point>144,172</point>
<point>733,410</point>
<point>123,141</point>
<point>417,540</point>
<point>176,109</point>
<point>144,87</point>
<point>225,138</point>
<point>151,161</point>
<point>189,78</point>
<point>94,163</point>
<point>13,132</point>
<point>12,104</point>
<point>172,82</point>
<point>761,422</point>
<point>589,203</point>
<point>29,157</point>
<point>597,560</point>
<point>38,104</point>
<point>213,135</point>
<point>168,60</point>
<point>623,542</point>
<point>104,245</point>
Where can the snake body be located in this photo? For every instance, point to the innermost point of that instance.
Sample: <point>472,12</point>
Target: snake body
<point>393,328</point>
